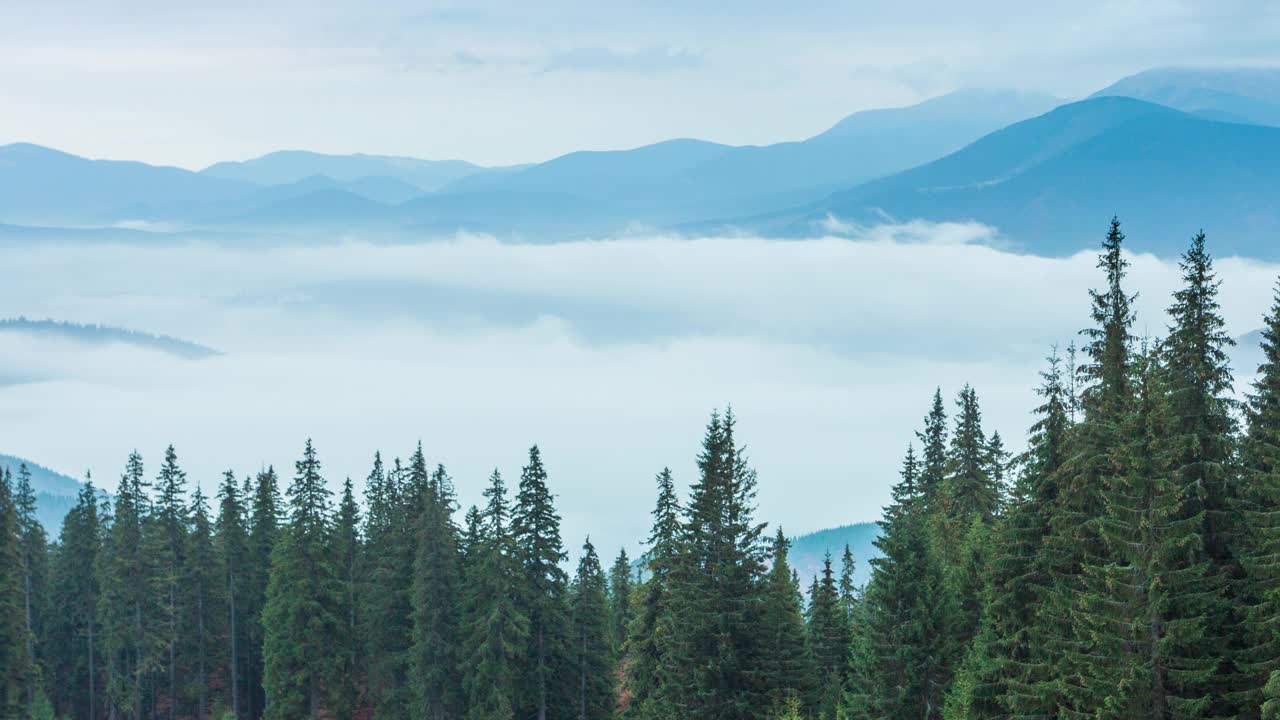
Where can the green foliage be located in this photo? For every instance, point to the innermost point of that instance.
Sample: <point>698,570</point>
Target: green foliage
<point>716,593</point>
<point>496,632</point>
<point>437,585</point>
<point>590,653</point>
<point>301,617</point>
<point>542,593</point>
<point>16,664</point>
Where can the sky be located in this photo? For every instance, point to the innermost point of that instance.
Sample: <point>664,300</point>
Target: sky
<point>610,355</point>
<point>503,82</point>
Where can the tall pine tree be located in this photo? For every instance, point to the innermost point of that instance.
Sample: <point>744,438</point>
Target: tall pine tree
<point>301,618</point>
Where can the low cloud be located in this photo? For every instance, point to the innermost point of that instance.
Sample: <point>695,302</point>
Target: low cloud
<point>608,354</point>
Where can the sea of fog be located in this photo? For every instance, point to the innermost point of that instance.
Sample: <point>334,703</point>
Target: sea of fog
<point>608,354</point>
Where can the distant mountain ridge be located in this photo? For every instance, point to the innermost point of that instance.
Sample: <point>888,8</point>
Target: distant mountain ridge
<point>1170,150</point>
<point>1246,95</point>
<point>808,551</point>
<point>1050,183</point>
<point>290,166</point>
<point>589,192</point>
<point>55,493</point>
<point>106,334</point>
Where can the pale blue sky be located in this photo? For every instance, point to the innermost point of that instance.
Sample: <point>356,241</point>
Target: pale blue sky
<point>495,81</point>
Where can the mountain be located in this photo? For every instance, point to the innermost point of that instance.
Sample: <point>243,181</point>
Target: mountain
<point>808,551</point>
<point>290,166</point>
<point>328,206</point>
<point>681,180</point>
<point>1049,184</point>
<point>40,186</point>
<point>102,334</point>
<point>581,193</point>
<point>55,492</point>
<point>1247,95</point>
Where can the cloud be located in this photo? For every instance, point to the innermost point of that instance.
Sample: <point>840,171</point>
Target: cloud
<point>653,59</point>
<point>608,354</point>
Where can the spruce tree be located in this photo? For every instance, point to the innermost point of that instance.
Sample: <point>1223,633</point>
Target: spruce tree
<point>848,591</point>
<point>267,510</point>
<point>1010,664</point>
<point>535,531</point>
<point>1203,680</point>
<point>34,545</point>
<point>717,589</point>
<point>897,666</point>
<point>232,548</point>
<point>620,610</point>
<point>1260,512</point>
<point>786,665</point>
<point>347,554</point>
<point>828,638</point>
<point>126,602</point>
<point>166,544</point>
<point>496,632</point>
<point>204,607</point>
<point>1075,540</point>
<point>388,614</point>
<point>75,653</point>
<point>16,663</point>
<point>649,642</point>
<point>436,602</point>
<point>933,441</point>
<point>590,653</point>
<point>301,618</point>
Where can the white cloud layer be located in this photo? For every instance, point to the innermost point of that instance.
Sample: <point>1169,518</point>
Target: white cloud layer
<point>608,354</point>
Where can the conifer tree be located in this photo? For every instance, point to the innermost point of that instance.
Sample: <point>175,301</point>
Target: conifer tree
<point>347,553</point>
<point>1009,663</point>
<point>848,591</point>
<point>620,611</point>
<point>496,632</point>
<point>786,664</point>
<point>648,640</point>
<point>1201,447</point>
<point>828,638</point>
<point>1075,540</point>
<point>1123,609</point>
<point>590,644</point>
<point>126,604</point>
<point>897,666</point>
<point>267,510</point>
<point>16,663</point>
<point>232,547</point>
<point>717,589</point>
<point>166,544</point>
<point>388,613</point>
<point>437,585</point>
<point>75,652</point>
<point>300,618</point>
<point>204,611</point>
<point>34,546</point>
<point>1260,512</point>
<point>933,441</point>
<point>969,487</point>
<point>535,531</point>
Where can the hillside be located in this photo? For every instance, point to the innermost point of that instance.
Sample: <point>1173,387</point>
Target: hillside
<point>808,551</point>
<point>55,492</point>
<point>1050,183</point>
<point>290,166</point>
<point>101,334</point>
<point>1248,95</point>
